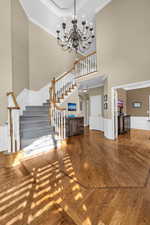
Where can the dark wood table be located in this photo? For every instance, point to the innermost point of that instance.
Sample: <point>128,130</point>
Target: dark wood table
<point>123,124</point>
<point>74,126</point>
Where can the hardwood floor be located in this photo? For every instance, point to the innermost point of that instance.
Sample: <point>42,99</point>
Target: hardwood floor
<point>88,181</point>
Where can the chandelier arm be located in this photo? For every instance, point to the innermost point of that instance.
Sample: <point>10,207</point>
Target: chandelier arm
<point>70,32</point>
<point>67,37</point>
<point>80,32</point>
<point>85,45</point>
<point>83,49</point>
<point>61,42</point>
<point>65,41</point>
<point>83,30</point>
<point>87,38</point>
<point>65,49</point>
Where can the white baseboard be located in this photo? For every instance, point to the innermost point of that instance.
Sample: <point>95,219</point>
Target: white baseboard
<point>106,125</point>
<point>108,129</point>
<point>140,123</point>
<point>96,123</point>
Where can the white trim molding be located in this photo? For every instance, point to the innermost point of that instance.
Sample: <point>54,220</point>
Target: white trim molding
<point>140,123</point>
<point>109,129</point>
<point>100,123</point>
<point>3,137</point>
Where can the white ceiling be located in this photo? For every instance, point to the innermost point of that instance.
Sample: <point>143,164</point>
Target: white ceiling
<point>48,13</point>
<point>63,4</point>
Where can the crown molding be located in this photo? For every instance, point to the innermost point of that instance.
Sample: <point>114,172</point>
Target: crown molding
<point>105,3</point>
<point>35,22</point>
<point>61,12</point>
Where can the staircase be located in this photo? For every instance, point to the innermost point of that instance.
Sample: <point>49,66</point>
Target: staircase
<point>34,123</point>
<point>47,120</point>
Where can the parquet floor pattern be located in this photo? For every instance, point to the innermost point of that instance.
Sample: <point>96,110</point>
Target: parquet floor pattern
<point>89,181</point>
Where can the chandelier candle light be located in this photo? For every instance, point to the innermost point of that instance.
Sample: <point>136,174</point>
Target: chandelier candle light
<point>78,38</point>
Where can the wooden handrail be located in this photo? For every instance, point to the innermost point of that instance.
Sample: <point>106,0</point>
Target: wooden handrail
<point>84,57</point>
<point>69,71</point>
<point>54,81</point>
<point>53,96</point>
<point>14,100</point>
<point>63,75</point>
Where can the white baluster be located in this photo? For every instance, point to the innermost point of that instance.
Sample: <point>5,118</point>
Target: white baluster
<point>64,124</point>
<point>86,66</point>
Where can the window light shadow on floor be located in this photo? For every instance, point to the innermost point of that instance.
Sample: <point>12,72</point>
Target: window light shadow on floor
<point>42,144</point>
<point>42,196</point>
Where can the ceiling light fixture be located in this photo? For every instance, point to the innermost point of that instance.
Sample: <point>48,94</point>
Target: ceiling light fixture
<point>78,37</point>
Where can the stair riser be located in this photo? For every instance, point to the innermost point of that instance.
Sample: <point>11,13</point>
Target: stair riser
<point>36,134</point>
<point>37,108</point>
<point>28,142</point>
<point>37,124</point>
<point>36,129</point>
<point>46,105</point>
<point>29,119</point>
<point>35,113</point>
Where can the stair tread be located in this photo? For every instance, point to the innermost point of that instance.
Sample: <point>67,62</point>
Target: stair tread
<point>36,135</point>
<point>37,110</point>
<point>34,121</point>
<point>30,116</point>
<point>36,106</point>
<point>37,128</point>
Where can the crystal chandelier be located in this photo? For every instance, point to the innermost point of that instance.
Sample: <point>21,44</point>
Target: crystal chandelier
<point>78,37</point>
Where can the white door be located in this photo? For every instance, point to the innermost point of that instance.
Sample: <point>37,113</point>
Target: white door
<point>96,119</point>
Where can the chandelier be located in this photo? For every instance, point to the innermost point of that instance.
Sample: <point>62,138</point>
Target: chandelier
<point>77,36</point>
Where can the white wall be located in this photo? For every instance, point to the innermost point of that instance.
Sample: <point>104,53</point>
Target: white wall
<point>3,137</point>
<point>141,123</point>
<point>96,113</point>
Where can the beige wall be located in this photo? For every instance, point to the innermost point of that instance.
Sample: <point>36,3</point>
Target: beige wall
<point>138,95</point>
<point>13,52</point>
<point>5,56</point>
<point>29,56</point>
<point>123,34</point>
<point>46,58</point>
<point>122,95</point>
<point>96,91</point>
<point>20,54</point>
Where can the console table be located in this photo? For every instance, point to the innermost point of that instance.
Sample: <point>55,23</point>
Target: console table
<point>123,124</point>
<point>74,126</point>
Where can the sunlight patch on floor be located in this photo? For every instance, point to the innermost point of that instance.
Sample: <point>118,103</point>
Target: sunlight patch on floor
<point>43,144</point>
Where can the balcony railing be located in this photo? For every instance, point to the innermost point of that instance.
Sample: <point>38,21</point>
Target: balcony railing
<point>86,65</point>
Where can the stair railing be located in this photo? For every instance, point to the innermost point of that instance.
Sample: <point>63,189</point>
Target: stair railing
<point>59,89</point>
<point>62,86</point>
<point>13,123</point>
<point>86,65</point>
<point>57,114</point>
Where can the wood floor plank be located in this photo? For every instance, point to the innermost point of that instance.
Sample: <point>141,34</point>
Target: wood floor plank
<point>88,181</point>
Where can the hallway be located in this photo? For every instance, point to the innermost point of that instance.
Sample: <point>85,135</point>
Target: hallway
<point>88,181</point>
